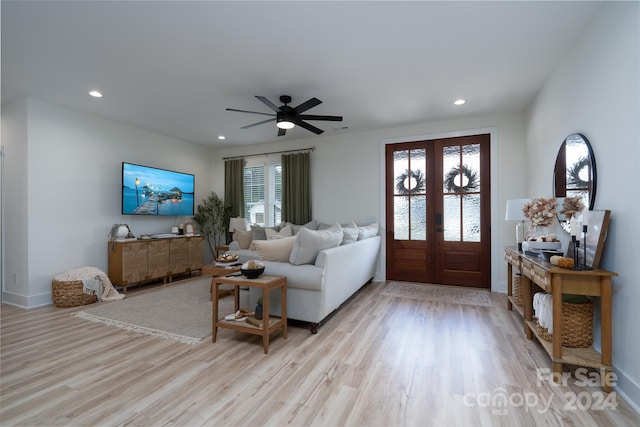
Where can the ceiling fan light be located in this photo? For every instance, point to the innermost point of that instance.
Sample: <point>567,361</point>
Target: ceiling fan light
<point>284,124</point>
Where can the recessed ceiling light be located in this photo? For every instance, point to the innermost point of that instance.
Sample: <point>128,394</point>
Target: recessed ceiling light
<point>459,101</point>
<point>222,137</point>
<point>95,93</point>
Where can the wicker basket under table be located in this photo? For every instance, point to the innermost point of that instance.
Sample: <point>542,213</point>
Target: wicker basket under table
<point>577,325</point>
<point>69,294</point>
<point>516,290</point>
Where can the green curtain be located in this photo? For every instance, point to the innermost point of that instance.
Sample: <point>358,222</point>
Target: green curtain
<point>234,186</point>
<point>296,188</point>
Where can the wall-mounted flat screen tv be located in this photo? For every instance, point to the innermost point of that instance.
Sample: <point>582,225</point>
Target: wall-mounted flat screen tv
<point>152,191</point>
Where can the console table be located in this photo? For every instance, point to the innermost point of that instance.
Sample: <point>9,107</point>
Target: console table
<point>556,281</point>
<point>137,261</point>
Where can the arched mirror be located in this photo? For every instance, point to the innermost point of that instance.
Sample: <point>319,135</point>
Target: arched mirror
<point>575,173</point>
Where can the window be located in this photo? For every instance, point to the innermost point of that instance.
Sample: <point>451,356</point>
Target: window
<point>263,193</point>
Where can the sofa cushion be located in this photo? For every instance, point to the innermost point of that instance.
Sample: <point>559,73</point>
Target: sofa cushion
<point>243,238</point>
<point>275,249</point>
<point>308,243</point>
<point>350,233</point>
<point>367,231</point>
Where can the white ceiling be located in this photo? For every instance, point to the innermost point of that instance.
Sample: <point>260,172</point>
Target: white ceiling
<point>173,67</point>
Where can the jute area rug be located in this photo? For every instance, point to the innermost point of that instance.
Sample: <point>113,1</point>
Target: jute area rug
<point>438,293</point>
<point>180,311</point>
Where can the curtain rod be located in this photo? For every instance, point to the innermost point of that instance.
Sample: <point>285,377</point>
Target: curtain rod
<point>301,150</point>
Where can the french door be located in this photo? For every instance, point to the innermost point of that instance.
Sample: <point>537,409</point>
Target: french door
<point>438,211</point>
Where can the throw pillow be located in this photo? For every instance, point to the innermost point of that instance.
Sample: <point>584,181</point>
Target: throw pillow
<point>274,250</point>
<point>273,234</point>
<point>259,232</point>
<point>367,231</point>
<point>311,225</point>
<point>308,243</point>
<point>350,233</point>
<point>243,238</point>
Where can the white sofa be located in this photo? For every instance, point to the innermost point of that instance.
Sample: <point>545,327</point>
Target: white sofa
<point>315,290</point>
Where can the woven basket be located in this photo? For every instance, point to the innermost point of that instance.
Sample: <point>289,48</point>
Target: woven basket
<point>516,290</point>
<point>69,294</point>
<point>577,325</point>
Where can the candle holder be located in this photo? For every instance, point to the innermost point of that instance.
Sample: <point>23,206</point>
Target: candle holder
<point>576,252</point>
<point>584,249</point>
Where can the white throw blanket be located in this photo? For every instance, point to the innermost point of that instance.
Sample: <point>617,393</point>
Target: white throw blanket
<point>543,310</point>
<point>94,282</point>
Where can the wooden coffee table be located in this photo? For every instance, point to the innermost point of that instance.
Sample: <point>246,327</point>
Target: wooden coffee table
<point>269,324</point>
<point>217,270</point>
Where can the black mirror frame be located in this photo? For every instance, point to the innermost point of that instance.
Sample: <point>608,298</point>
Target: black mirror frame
<point>560,160</point>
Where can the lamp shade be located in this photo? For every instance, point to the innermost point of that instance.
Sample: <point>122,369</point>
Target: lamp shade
<point>237,224</point>
<point>514,210</point>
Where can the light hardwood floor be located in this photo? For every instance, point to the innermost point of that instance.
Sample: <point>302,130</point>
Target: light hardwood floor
<point>379,361</point>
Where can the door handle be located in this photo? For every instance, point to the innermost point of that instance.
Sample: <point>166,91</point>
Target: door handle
<point>438,223</point>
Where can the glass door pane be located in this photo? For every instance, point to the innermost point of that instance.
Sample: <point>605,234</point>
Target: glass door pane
<point>410,202</point>
<point>461,192</point>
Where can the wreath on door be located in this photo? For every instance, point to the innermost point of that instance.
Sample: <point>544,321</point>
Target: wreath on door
<point>467,177</point>
<point>409,177</point>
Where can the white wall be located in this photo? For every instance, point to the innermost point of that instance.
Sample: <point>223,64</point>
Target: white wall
<point>65,174</point>
<point>14,137</point>
<point>596,91</point>
<point>347,174</point>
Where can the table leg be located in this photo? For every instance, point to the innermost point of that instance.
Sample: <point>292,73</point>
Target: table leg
<point>283,299</point>
<point>265,320</point>
<point>214,320</point>
<point>528,304</point>
<point>605,335</point>
<point>509,285</point>
<point>556,284</point>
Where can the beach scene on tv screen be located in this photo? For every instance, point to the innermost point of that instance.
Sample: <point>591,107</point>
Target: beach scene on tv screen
<point>151,191</point>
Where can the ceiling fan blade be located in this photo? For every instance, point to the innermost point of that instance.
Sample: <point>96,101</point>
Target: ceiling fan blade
<point>326,118</point>
<point>268,103</point>
<point>307,126</point>
<point>257,124</point>
<point>282,132</point>
<point>307,105</point>
<point>252,112</point>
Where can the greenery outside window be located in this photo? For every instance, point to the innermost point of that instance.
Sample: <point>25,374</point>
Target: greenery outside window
<point>263,192</point>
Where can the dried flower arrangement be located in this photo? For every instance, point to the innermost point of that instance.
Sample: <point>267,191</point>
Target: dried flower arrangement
<point>571,206</point>
<point>540,211</point>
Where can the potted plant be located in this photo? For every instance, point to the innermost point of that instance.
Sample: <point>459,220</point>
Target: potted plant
<point>212,216</point>
<point>258,310</point>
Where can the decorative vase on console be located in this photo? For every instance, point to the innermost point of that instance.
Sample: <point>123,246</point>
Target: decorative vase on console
<point>540,212</point>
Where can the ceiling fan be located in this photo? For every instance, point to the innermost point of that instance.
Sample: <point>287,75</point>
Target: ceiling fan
<point>287,117</point>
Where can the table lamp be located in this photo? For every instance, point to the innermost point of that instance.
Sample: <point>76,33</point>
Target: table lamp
<point>514,213</point>
<point>237,224</point>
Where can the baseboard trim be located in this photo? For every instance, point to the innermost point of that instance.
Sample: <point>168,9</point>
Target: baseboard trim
<point>628,389</point>
<point>24,301</point>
